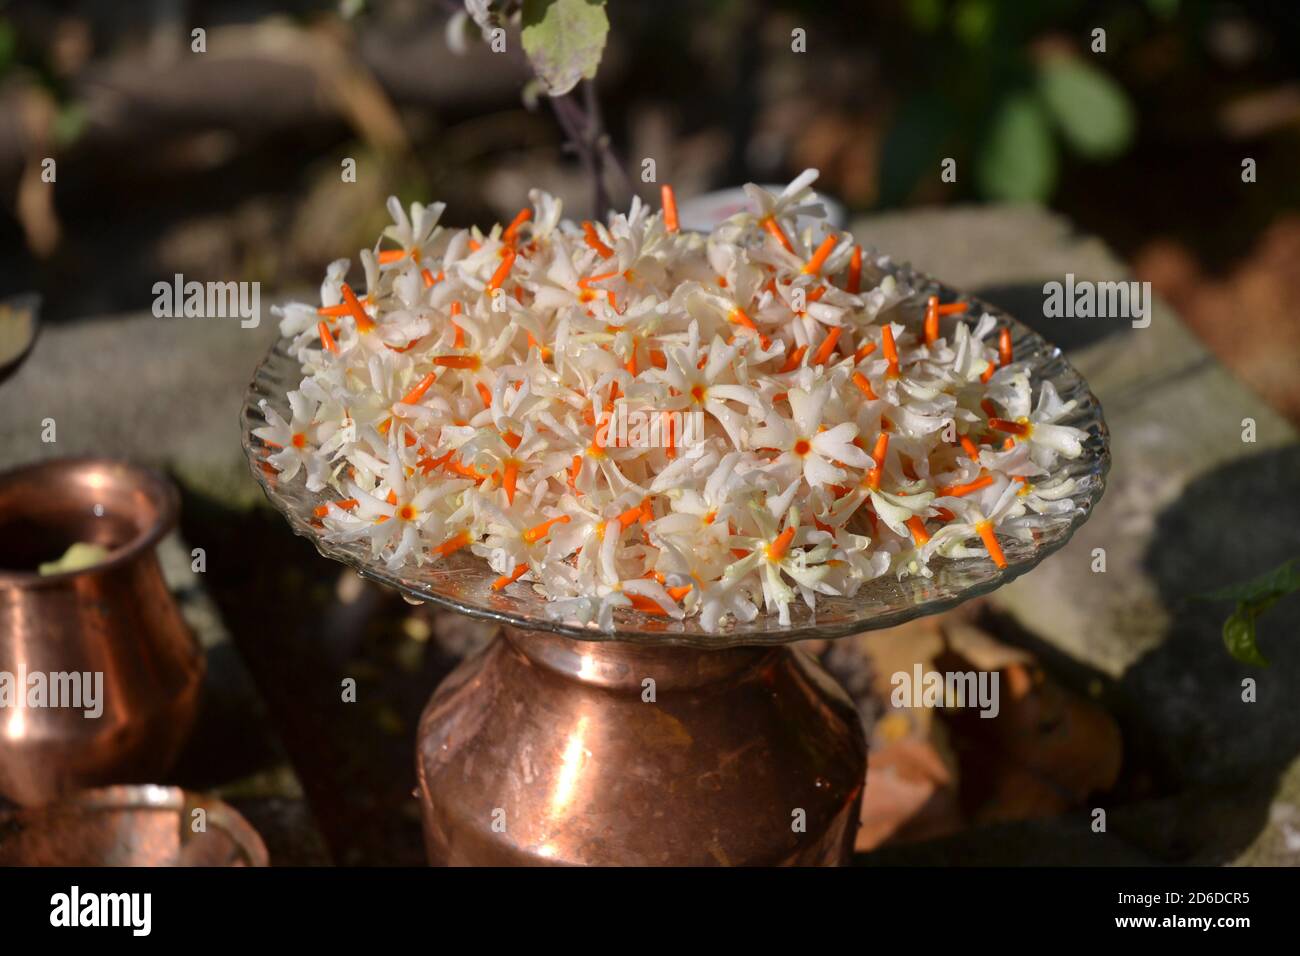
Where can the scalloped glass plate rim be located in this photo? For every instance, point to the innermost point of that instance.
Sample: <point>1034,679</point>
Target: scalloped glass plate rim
<point>881,603</point>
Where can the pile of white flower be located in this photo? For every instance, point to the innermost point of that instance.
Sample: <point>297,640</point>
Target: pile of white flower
<point>467,398</point>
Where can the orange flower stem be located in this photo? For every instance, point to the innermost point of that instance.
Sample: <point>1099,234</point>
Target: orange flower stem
<point>509,479</point>
<point>538,532</point>
<point>1011,428</point>
<point>932,320</point>
<point>417,393</point>
<point>823,353</point>
<point>774,229</point>
<point>507,579</point>
<point>594,240</point>
<point>878,454</point>
<point>793,359</point>
<point>670,207</point>
<point>326,340</point>
<point>454,543</point>
<point>814,265</point>
<point>957,491</point>
<point>917,527</point>
<point>738,316</point>
<point>780,545</point>
<point>985,529</point>
<point>512,230</point>
<point>630,517</point>
<point>855,271</point>
<point>356,310</point>
<point>890,349</point>
<point>503,270</point>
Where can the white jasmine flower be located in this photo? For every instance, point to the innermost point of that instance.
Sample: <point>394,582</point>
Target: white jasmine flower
<point>465,396</point>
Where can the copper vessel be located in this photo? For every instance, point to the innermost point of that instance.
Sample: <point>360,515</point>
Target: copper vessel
<point>544,749</point>
<point>143,825</point>
<point>114,623</point>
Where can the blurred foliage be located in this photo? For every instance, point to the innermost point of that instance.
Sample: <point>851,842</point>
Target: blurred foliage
<point>34,63</point>
<point>989,97</point>
<point>1253,598</point>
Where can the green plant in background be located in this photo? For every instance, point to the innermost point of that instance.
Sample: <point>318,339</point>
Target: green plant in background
<point>564,40</point>
<point>1005,87</point>
<point>30,62</point>
<point>1253,598</point>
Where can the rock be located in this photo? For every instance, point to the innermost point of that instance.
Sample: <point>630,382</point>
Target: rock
<point>166,392</point>
<point>1278,844</point>
<point>1189,505</point>
<point>1250,820</point>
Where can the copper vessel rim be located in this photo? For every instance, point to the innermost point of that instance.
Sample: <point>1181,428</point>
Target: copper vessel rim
<point>156,484</point>
<point>153,796</point>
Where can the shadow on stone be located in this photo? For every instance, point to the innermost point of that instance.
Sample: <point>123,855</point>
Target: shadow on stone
<point>1228,526</point>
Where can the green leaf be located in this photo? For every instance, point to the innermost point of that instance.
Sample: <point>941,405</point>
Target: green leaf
<point>1017,159</point>
<point>1253,598</point>
<point>1092,110</point>
<point>1239,636</point>
<point>1281,581</point>
<point>564,40</point>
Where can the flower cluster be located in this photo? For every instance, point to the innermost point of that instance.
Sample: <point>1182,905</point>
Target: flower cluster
<point>463,398</point>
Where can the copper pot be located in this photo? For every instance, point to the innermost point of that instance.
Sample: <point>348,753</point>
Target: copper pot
<point>138,825</point>
<point>114,623</point>
<point>543,750</point>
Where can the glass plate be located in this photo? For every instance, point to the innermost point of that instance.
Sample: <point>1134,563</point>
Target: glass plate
<point>462,582</point>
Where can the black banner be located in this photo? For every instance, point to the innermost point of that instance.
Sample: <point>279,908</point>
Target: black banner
<point>333,906</point>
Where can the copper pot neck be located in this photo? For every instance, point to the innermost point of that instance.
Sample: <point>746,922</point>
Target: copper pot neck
<point>619,664</point>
